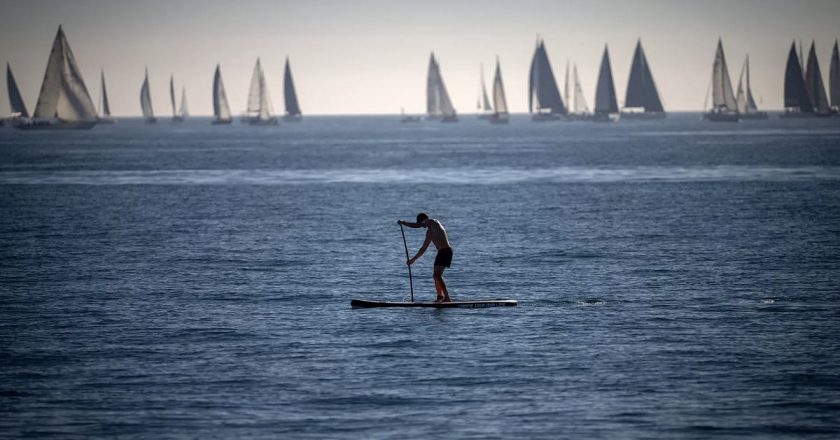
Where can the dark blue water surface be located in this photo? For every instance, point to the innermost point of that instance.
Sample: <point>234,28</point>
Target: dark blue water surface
<point>676,279</point>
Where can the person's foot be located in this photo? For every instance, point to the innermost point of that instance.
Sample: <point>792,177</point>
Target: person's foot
<point>447,300</point>
<point>439,300</point>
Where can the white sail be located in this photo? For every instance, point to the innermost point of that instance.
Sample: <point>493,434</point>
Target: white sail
<point>722,94</point>
<point>750,100</point>
<point>221,108</point>
<point>16,103</point>
<point>63,93</point>
<point>484,100</point>
<point>499,99</point>
<point>259,101</point>
<point>106,107</point>
<point>146,99</point>
<point>172,95</point>
<point>579,101</point>
<point>566,85</point>
<point>438,103</point>
<point>184,111</point>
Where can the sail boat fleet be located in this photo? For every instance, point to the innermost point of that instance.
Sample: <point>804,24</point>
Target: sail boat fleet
<point>64,101</point>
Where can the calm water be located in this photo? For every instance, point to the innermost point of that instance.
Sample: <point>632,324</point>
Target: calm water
<point>676,279</point>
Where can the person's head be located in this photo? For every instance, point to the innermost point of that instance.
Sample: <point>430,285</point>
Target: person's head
<point>422,217</point>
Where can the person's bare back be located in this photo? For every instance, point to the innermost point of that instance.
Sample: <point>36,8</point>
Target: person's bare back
<point>435,234</point>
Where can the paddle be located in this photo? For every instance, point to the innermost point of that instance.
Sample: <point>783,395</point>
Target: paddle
<point>410,281</point>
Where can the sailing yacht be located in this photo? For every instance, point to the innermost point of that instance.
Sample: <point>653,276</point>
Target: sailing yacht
<point>606,105</point>
<point>579,109</point>
<point>815,86</point>
<point>293,113</point>
<point>724,107</point>
<point>744,99</point>
<point>146,101</point>
<point>16,104</point>
<point>105,105</point>
<point>438,105</point>
<point>221,109</point>
<point>408,118</point>
<point>64,102</point>
<point>176,116</point>
<point>483,108</point>
<point>259,110</point>
<point>500,107</point>
<point>544,100</point>
<point>642,99</point>
<point>834,80</point>
<point>798,102</point>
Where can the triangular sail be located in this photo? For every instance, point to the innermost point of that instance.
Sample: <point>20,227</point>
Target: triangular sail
<point>221,108</point>
<point>580,102</point>
<point>723,96</point>
<point>172,94</point>
<point>106,107</point>
<point>146,99</point>
<point>566,85</point>
<point>814,82</point>
<point>63,93</point>
<point>485,102</point>
<point>16,103</point>
<point>834,78</point>
<point>438,103</point>
<point>259,101</point>
<point>641,88</point>
<point>289,93</point>
<point>499,99</point>
<point>741,95</point>
<point>542,88</point>
<point>605,101</point>
<point>750,100</point>
<point>184,110</point>
<point>796,94</point>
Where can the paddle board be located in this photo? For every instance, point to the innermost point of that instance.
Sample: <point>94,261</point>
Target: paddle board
<point>360,303</point>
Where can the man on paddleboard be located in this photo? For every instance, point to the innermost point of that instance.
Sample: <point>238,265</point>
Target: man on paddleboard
<point>437,235</point>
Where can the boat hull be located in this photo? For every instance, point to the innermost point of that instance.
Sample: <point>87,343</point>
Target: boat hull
<point>796,115</point>
<point>177,119</point>
<point>106,121</point>
<point>257,121</point>
<point>151,120</point>
<point>604,117</point>
<point>54,125</point>
<point>221,121</point>
<point>449,119</point>
<point>546,117</point>
<point>481,304</point>
<point>499,119</point>
<point>292,118</point>
<point>643,116</point>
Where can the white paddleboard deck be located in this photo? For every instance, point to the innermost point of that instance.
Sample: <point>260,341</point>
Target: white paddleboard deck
<point>480,304</point>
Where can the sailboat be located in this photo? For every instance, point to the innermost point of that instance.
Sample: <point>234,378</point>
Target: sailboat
<point>146,101</point>
<point>724,107</point>
<point>500,107</point>
<point>183,111</point>
<point>642,99</point>
<point>579,109</point>
<point>744,99</point>
<point>106,107</point>
<point>483,107</point>
<point>438,105</point>
<point>814,84</point>
<point>544,100</point>
<point>293,113</point>
<point>798,102</point>
<point>606,106</point>
<point>259,111</point>
<point>221,109</point>
<point>16,104</point>
<point>834,80</point>
<point>64,102</point>
<point>176,117</point>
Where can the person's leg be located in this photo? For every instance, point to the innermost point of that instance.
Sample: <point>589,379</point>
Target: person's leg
<point>440,282</point>
<point>437,289</point>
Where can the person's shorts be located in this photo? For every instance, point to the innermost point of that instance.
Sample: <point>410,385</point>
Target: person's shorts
<point>444,257</point>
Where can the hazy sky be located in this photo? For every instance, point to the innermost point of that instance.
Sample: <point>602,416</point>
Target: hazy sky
<point>364,56</point>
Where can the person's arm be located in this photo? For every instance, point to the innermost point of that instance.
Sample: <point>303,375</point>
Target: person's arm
<point>410,224</point>
<point>422,249</point>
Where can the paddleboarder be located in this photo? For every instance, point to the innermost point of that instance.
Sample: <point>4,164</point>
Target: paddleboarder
<point>435,234</point>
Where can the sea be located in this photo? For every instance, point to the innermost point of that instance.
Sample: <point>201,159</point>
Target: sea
<point>675,278</point>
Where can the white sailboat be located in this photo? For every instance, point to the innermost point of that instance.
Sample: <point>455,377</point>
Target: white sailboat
<point>64,101</point>
<point>176,116</point>
<point>579,108</point>
<point>438,105</point>
<point>221,108</point>
<point>183,110</point>
<point>293,113</point>
<point>259,110</point>
<point>146,101</point>
<point>105,105</point>
<point>483,107</point>
<point>16,103</point>
<point>744,97</point>
<point>501,115</point>
<point>544,100</point>
<point>814,84</point>
<point>724,106</point>
<point>606,105</point>
<point>642,98</point>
